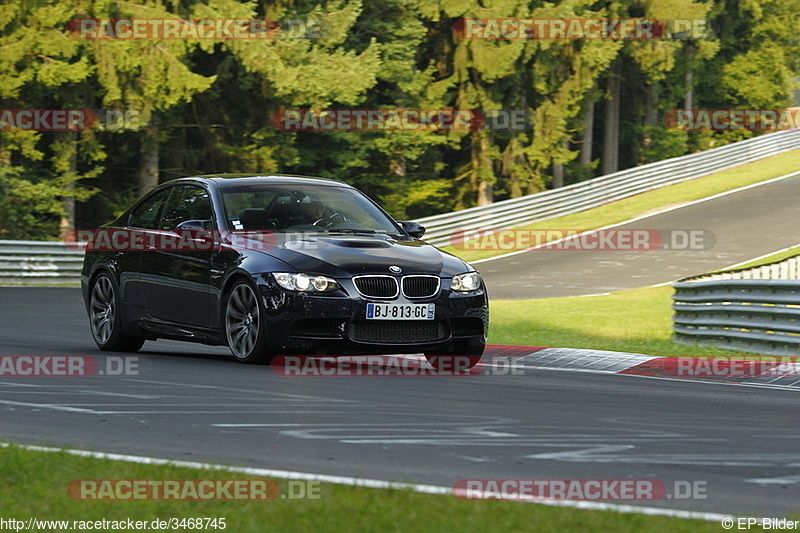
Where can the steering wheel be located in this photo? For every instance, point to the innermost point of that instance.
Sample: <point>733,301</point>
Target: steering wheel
<point>330,220</point>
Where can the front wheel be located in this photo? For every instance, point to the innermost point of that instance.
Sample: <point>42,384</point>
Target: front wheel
<point>105,317</point>
<point>245,329</point>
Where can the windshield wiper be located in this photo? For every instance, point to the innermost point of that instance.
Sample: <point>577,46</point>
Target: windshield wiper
<point>365,231</point>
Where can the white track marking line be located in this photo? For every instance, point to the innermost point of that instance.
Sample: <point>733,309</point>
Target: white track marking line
<point>784,480</point>
<point>372,483</point>
<point>759,257</point>
<point>636,219</point>
<point>55,407</point>
<point>14,384</point>
<point>119,394</point>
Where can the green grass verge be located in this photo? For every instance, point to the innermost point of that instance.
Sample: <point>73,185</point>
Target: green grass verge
<point>636,320</point>
<point>642,204</point>
<point>35,485</point>
<point>772,258</point>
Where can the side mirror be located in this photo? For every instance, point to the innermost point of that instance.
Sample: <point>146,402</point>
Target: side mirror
<point>415,229</point>
<point>198,230</point>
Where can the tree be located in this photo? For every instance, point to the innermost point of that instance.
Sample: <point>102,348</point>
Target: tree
<point>474,74</point>
<point>40,68</point>
<point>147,76</point>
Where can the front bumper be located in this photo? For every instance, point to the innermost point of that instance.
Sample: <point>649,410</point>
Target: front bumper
<point>337,322</point>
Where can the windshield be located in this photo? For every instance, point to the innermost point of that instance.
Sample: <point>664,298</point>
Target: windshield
<point>303,208</point>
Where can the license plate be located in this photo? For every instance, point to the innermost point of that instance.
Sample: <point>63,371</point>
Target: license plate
<point>400,311</point>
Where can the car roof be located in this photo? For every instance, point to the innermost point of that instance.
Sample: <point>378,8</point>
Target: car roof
<point>234,180</point>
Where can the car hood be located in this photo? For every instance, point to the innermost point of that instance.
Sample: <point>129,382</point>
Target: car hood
<point>345,256</point>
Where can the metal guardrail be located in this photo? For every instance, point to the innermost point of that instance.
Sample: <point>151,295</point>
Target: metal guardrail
<point>753,309</point>
<point>39,263</point>
<point>586,194</point>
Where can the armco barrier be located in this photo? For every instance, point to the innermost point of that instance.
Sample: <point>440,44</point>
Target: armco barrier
<point>586,194</point>
<point>753,309</point>
<point>39,263</point>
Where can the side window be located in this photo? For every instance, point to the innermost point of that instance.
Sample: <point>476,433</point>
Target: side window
<point>145,215</point>
<point>187,202</point>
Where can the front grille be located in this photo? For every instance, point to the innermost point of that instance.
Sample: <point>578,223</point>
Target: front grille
<point>401,332</point>
<point>376,286</point>
<point>420,286</point>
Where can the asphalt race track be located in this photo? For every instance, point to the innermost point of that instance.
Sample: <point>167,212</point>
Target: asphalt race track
<point>746,224</point>
<point>189,402</point>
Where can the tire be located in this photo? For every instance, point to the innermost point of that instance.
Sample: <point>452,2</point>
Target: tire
<point>459,354</point>
<point>244,323</point>
<point>105,318</point>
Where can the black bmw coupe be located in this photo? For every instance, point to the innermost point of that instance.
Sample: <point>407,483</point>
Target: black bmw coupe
<point>271,265</point>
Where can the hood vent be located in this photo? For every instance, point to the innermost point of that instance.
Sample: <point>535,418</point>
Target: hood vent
<point>363,243</point>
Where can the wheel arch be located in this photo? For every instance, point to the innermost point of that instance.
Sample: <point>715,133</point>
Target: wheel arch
<point>227,285</point>
<point>259,354</point>
<point>100,268</point>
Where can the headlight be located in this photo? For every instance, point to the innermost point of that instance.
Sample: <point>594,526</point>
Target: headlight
<point>305,282</point>
<point>471,281</point>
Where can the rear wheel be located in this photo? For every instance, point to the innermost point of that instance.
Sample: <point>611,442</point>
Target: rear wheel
<point>105,317</point>
<point>245,328</point>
